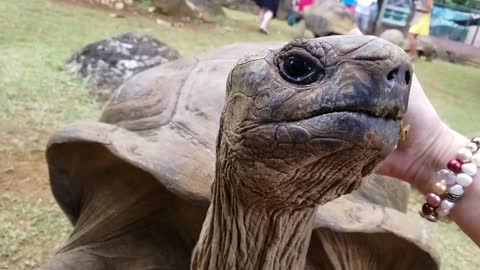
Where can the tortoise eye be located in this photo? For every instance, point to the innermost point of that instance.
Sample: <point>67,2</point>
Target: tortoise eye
<point>300,69</point>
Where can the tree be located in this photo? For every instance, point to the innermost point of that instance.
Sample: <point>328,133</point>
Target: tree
<point>475,4</point>
<point>460,2</point>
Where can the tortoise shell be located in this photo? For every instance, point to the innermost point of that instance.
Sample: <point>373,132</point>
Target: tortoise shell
<point>136,184</point>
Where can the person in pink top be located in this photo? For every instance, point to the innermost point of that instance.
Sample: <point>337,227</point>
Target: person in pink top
<point>299,6</point>
<point>304,3</point>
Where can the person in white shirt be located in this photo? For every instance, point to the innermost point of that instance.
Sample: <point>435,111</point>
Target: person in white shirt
<point>365,12</point>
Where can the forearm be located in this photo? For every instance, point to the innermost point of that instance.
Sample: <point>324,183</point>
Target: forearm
<point>444,147</point>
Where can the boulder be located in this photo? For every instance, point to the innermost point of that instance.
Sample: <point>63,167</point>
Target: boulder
<point>108,63</point>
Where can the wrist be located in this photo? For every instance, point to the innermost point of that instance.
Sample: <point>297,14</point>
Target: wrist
<point>444,148</point>
<point>463,196</point>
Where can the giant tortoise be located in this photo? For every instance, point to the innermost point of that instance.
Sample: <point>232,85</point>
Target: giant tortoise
<point>425,45</point>
<point>302,124</point>
<point>328,17</point>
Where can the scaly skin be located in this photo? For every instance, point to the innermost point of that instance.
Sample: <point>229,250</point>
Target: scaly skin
<point>286,147</point>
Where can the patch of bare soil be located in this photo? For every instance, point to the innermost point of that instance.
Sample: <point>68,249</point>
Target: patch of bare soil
<point>26,176</point>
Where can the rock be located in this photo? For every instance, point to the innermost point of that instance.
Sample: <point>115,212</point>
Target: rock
<point>107,64</point>
<point>162,22</point>
<point>203,9</point>
<point>119,5</point>
<point>116,15</point>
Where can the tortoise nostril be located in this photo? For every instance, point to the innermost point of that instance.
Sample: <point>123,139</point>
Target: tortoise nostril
<point>392,74</point>
<point>408,77</point>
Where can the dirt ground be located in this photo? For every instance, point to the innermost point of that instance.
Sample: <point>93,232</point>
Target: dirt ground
<point>25,175</point>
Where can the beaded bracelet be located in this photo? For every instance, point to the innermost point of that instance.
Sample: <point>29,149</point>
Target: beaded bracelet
<point>452,182</point>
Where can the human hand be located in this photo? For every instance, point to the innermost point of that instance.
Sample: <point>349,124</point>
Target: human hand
<point>429,143</point>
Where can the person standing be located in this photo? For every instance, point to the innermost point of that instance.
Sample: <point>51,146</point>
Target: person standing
<point>365,12</point>
<point>420,25</point>
<point>268,11</point>
<point>350,4</point>
<point>298,7</point>
<point>302,4</point>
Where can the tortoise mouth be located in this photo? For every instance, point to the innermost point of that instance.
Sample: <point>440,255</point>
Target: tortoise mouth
<point>388,113</point>
<point>362,128</point>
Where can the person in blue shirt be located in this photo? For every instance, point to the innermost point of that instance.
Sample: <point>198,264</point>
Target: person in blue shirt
<point>350,4</point>
<point>365,14</point>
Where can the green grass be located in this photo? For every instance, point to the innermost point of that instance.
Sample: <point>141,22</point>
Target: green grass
<point>454,247</point>
<point>454,91</point>
<point>29,231</point>
<point>38,36</point>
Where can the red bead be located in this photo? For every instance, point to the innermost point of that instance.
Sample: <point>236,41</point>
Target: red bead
<point>427,209</point>
<point>433,200</point>
<point>455,166</point>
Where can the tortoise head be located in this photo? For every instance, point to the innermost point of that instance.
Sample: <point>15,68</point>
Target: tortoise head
<point>303,124</point>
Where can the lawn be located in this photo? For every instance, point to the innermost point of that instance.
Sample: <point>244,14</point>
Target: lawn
<point>454,91</point>
<point>38,36</point>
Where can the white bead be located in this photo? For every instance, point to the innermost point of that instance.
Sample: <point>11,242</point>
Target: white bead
<point>443,212</point>
<point>476,159</point>
<point>447,175</point>
<point>472,147</point>
<point>456,190</point>
<point>469,168</point>
<point>464,155</point>
<point>446,205</point>
<point>464,180</point>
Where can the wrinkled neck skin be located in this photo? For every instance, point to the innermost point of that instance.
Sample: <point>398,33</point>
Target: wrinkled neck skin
<point>238,235</point>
